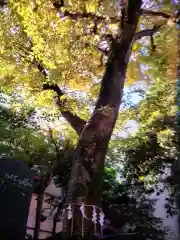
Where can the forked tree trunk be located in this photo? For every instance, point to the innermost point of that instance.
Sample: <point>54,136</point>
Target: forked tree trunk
<point>88,164</point>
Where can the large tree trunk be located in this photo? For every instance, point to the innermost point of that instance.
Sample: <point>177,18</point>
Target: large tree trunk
<point>88,164</point>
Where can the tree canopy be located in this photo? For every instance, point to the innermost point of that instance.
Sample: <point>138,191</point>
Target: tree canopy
<point>64,65</point>
<point>44,42</point>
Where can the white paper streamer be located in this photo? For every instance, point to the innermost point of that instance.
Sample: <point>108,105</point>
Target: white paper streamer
<point>69,208</point>
<point>101,219</point>
<point>94,215</point>
<point>82,209</point>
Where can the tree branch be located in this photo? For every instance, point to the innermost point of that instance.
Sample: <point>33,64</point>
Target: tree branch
<point>56,146</point>
<point>76,122</point>
<point>153,46</point>
<point>41,68</point>
<point>58,4</point>
<point>79,15</point>
<point>158,14</point>
<point>175,18</point>
<point>147,32</point>
<point>3,3</point>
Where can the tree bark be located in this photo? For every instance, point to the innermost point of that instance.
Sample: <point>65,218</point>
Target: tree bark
<point>39,210</point>
<point>88,163</point>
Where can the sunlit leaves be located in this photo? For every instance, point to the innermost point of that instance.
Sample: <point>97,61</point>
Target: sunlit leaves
<point>91,6</point>
<point>35,31</point>
<point>134,72</point>
<point>64,46</point>
<point>165,138</point>
<point>45,98</point>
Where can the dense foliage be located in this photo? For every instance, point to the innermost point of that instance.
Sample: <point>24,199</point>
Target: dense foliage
<point>53,56</point>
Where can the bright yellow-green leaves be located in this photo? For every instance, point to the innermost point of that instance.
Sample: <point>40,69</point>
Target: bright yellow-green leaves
<point>154,141</point>
<point>34,31</point>
<point>134,73</point>
<point>165,138</point>
<point>141,178</point>
<point>63,45</point>
<point>91,6</point>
